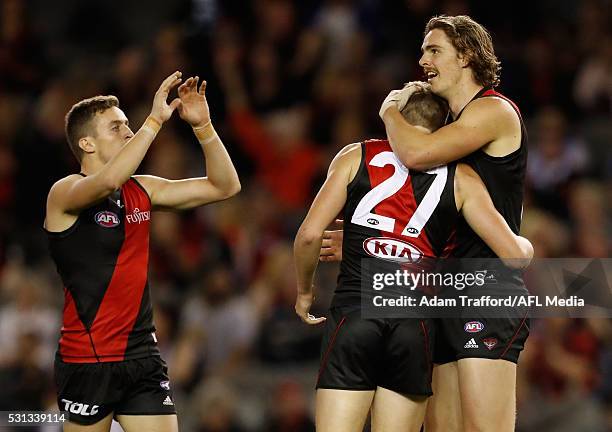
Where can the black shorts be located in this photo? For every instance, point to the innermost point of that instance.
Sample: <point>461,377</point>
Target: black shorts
<point>497,333</point>
<point>88,392</point>
<point>363,354</point>
<point>478,337</point>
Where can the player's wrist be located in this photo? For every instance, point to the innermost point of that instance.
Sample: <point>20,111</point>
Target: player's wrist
<point>387,112</point>
<point>204,132</point>
<point>201,124</point>
<point>152,124</point>
<point>386,108</point>
<point>304,291</point>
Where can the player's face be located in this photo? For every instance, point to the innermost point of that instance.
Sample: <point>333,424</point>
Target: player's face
<point>441,62</point>
<point>112,132</point>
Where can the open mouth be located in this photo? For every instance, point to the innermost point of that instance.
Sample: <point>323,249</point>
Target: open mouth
<point>431,75</point>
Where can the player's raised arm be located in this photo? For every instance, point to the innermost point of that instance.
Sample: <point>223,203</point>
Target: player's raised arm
<point>109,152</point>
<point>221,179</point>
<point>328,203</point>
<point>482,216</point>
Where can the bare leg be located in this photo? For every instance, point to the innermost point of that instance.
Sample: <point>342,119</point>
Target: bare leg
<point>101,426</point>
<point>150,423</point>
<point>342,410</point>
<point>444,407</point>
<point>488,394</point>
<point>394,412</point>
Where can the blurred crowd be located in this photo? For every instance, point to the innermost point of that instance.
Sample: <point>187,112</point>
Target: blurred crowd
<point>289,84</point>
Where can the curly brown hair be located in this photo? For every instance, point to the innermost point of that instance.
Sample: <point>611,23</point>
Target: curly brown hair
<point>78,119</point>
<point>472,40</point>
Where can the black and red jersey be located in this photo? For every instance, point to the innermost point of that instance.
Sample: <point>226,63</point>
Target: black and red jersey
<point>103,260</point>
<point>392,213</point>
<point>504,178</point>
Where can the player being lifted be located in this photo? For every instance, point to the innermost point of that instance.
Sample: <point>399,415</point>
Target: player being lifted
<point>108,363</point>
<point>385,364</point>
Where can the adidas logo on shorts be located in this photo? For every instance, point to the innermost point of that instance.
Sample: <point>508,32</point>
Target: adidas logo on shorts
<point>471,344</point>
<point>168,401</point>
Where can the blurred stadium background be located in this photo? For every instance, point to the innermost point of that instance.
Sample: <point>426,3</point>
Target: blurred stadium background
<point>289,84</point>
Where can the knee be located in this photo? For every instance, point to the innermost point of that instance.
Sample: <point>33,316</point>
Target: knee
<point>476,426</point>
<point>435,424</point>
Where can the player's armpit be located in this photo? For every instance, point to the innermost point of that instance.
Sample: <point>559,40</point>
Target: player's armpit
<point>183,194</point>
<point>483,121</point>
<point>482,216</point>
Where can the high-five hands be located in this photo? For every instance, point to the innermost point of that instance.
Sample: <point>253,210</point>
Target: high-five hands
<point>161,110</point>
<point>193,107</point>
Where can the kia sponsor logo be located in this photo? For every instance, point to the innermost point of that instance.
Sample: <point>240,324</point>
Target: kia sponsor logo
<point>392,249</point>
<point>473,326</point>
<point>106,219</point>
<point>490,343</point>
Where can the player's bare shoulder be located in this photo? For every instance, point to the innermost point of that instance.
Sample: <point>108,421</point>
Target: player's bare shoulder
<point>57,218</point>
<point>60,188</point>
<point>351,151</point>
<point>497,114</point>
<point>492,108</point>
<point>348,159</point>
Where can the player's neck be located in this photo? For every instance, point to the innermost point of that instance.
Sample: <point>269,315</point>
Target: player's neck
<point>91,166</point>
<point>461,95</point>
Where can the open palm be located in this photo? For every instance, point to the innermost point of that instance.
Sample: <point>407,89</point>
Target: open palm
<point>193,108</point>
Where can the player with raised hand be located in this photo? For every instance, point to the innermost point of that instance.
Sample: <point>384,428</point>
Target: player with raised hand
<point>108,363</point>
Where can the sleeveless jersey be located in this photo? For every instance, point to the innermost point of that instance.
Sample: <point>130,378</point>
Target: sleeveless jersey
<point>102,260</point>
<point>394,214</point>
<point>504,178</point>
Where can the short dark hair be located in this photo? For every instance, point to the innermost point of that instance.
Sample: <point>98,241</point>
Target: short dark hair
<point>79,117</point>
<point>472,40</point>
<point>426,109</point>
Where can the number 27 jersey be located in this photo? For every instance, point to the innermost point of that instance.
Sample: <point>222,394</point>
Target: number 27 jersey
<point>400,216</point>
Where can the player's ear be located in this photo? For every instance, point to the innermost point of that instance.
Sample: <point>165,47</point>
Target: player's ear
<point>465,58</point>
<point>87,145</point>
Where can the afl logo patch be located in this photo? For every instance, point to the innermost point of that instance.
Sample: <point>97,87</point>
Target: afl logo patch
<point>107,219</point>
<point>392,249</point>
<point>473,327</point>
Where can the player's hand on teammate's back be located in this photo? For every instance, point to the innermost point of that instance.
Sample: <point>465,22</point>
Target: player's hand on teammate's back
<point>193,108</point>
<point>302,309</point>
<point>161,110</point>
<point>331,246</point>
